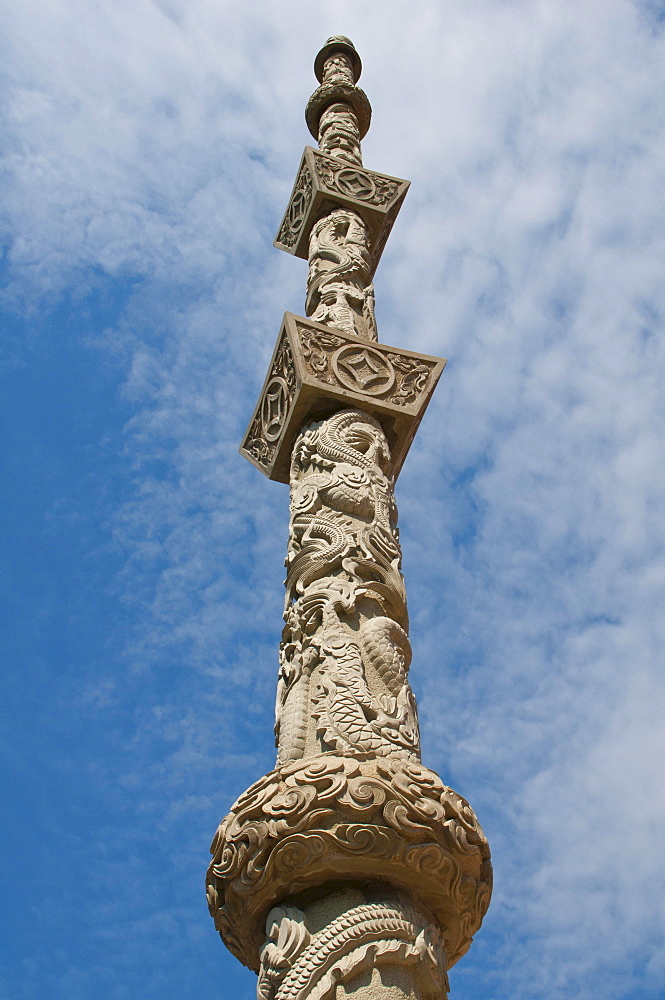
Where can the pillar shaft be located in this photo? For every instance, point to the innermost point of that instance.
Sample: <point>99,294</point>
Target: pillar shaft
<point>345,651</point>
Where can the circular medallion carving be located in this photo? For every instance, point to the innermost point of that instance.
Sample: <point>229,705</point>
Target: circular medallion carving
<point>363,369</point>
<point>355,183</point>
<point>274,408</point>
<point>297,210</point>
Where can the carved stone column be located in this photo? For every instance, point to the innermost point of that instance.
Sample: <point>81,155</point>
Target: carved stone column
<point>350,869</point>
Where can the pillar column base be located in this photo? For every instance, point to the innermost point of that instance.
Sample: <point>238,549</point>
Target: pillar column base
<point>335,820</point>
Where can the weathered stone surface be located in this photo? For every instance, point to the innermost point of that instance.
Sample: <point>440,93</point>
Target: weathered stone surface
<point>326,182</point>
<point>316,370</point>
<point>366,944</point>
<point>345,651</point>
<point>327,62</point>
<point>335,818</point>
<point>340,291</point>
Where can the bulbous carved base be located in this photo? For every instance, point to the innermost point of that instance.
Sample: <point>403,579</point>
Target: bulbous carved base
<point>332,817</point>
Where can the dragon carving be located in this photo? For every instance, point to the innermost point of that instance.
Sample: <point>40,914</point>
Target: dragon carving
<point>340,292</point>
<point>345,651</point>
<point>296,965</point>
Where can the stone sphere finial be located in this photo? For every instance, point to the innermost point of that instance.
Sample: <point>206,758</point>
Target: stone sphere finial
<point>338,43</point>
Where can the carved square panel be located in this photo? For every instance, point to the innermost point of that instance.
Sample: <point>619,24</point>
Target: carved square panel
<point>327,182</point>
<point>316,370</point>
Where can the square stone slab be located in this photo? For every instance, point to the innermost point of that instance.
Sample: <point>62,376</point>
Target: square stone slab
<point>316,370</point>
<point>327,182</point>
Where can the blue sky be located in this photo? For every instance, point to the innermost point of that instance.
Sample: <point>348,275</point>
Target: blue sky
<point>149,149</point>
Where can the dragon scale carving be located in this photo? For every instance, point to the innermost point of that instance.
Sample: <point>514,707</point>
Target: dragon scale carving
<point>340,292</point>
<point>296,965</point>
<point>345,651</point>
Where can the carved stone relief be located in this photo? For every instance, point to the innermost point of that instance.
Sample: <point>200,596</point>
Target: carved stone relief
<point>338,92</point>
<point>345,652</point>
<point>339,134</point>
<point>399,378</point>
<point>296,213</point>
<point>344,817</point>
<point>365,185</point>
<point>349,803</point>
<point>338,68</point>
<point>317,348</point>
<point>333,177</point>
<point>297,965</point>
<point>266,427</point>
<point>340,292</point>
<point>327,368</point>
<point>379,244</point>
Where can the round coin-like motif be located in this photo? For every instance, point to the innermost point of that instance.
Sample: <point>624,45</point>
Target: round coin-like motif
<point>274,408</point>
<point>355,183</point>
<point>363,369</point>
<point>297,210</point>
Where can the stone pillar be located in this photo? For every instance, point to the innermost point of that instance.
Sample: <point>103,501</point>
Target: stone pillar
<point>350,869</point>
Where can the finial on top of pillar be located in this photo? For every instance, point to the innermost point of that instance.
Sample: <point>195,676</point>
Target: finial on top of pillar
<point>333,177</point>
<point>337,45</point>
<point>338,67</point>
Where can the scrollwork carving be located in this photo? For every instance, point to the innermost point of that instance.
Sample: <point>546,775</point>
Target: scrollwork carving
<point>337,816</point>
<point>256,444</point>
<point>415,377</point>
<point>316,348</point>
